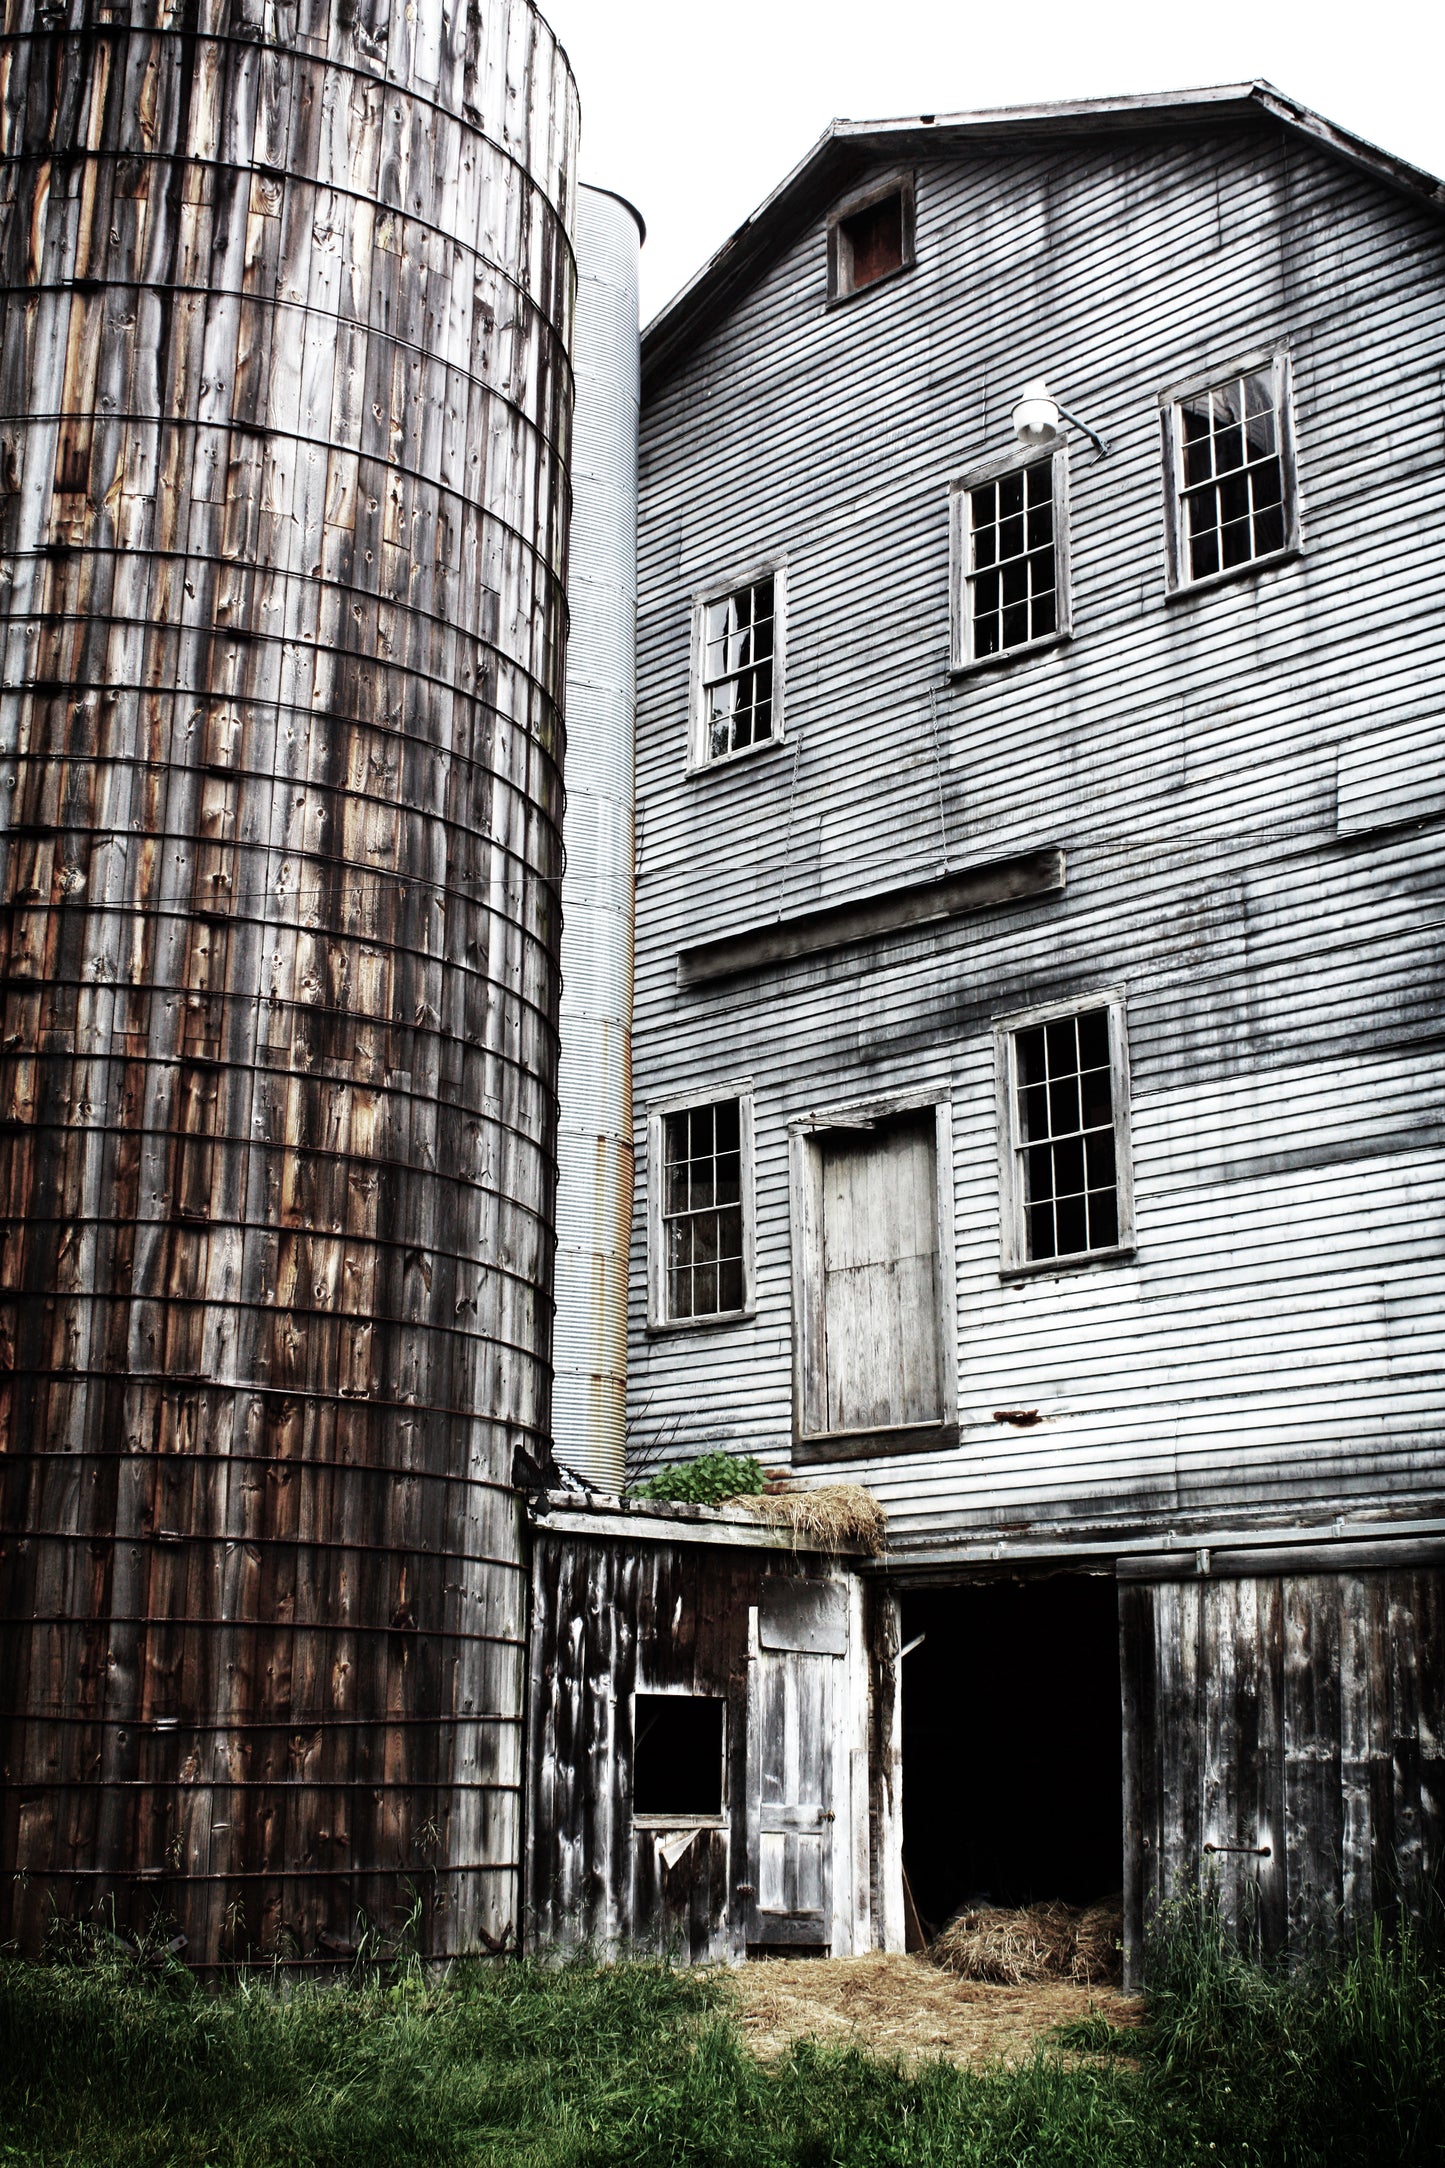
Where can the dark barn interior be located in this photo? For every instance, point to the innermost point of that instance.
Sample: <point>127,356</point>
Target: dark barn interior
<point>1012,1744</point>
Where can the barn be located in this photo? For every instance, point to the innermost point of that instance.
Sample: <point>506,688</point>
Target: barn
<point>1036,1045</point>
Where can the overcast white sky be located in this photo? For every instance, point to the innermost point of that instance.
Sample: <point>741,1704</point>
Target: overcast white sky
<point>696,112</point>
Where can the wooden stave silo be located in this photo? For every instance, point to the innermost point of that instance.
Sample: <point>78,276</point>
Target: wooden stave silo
<point>285,396</point>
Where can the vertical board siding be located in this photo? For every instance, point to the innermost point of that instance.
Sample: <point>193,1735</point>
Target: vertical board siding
<point>612,1617</point>
<point>1271,1352</point>
<point>284,408</point>
<point>1303,1713</point>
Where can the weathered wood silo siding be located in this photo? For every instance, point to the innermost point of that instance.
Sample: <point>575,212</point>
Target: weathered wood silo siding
<point>284,411</point>
<point>1245,783</point>
<point>1285,1745</point>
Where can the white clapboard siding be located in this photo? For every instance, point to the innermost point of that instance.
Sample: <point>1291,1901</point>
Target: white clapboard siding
<point>1246,783</point>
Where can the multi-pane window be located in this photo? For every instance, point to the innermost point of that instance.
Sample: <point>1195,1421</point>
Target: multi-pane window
<point>1066,1137</point>
<point>1010,559</point>
<point>1231,472</point>
<point>738,660</point>
<point>702,1211</point>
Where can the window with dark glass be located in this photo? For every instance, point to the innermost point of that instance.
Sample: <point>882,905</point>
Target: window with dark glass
<point>1232,478</point>
<point>702,1211</point>
<point>1012,562</point>
<point>1065,1136</point>
<point>737,669</point>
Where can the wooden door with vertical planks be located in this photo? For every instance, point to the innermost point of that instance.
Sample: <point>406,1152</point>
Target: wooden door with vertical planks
<point>795,1706</point>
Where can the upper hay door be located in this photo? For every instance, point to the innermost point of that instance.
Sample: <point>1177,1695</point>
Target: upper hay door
<point>872,1282</point>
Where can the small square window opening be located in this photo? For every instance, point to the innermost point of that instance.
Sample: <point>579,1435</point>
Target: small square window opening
<point>737,668</point>
<point>870,244</point>
<point>677,1755</point>
<point>702,1211</point>
<point>870,237</point>
<point>1066,1137</point>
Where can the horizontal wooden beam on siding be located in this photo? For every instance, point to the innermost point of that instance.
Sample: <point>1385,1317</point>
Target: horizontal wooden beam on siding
<point>1262,1564</point>
<point>838,925</point>
<point>688,1524</point>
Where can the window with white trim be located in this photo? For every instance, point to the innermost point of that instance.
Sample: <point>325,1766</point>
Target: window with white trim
<point>1064,1078</point>
<point>1231,471</point>
<point>1009,547</point>
<point>737,703</point>
<point>701,1211</point>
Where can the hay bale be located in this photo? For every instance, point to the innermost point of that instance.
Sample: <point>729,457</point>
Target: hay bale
<point>1099,1943</point>
<point>826,1516</point>
<point>1008,1946</point>
<point>1035,1942</point>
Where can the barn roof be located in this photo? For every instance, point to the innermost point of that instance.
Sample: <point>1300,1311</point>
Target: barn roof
<point>847,148</point>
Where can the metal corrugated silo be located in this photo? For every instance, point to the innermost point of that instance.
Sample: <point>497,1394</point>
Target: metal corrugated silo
<point>285,397</point>
<point>594,1191</point>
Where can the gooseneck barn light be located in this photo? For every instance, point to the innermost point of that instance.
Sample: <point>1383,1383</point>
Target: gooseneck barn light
<point>1037,416</point>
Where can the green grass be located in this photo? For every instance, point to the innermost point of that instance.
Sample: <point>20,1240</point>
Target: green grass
<point>108,2062</point>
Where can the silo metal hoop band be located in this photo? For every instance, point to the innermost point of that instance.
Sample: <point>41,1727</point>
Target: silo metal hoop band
<point>329,1546</point>
<point>243,635</point>
<point>384,1245</point>
<point>305,1629</point>
<point>115,33</point>
<point>178,1726</point>
<point>257,1874</point>
<point>31,290</point>
<point>45,1457</point>
<point>176,1384</point>
<point>43,1786</point>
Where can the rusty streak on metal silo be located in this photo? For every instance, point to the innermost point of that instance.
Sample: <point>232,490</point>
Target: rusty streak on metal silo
<point>286,394</point>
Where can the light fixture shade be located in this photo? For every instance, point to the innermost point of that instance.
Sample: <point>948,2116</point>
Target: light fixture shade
<point>1036,417</point>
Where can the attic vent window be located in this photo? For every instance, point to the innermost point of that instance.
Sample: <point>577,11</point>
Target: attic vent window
<point>870,238</point>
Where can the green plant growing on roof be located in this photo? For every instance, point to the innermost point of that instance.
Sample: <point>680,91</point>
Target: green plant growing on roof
<point>710,1480</point>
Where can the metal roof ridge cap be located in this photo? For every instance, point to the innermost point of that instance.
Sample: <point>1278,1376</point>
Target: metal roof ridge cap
<point>1049,109</point>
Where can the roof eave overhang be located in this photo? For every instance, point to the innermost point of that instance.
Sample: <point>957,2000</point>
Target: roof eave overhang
<point>848,149</point>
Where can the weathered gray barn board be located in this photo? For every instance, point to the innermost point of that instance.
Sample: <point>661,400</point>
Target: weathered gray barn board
<point>284,406</point>
<point>628,1605</point>
<point>1271,1355</point>
<point>1296,1722</point>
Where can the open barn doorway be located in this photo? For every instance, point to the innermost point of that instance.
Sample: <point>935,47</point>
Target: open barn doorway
<point>1012,1745</point>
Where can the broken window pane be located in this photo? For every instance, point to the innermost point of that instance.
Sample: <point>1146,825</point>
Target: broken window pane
<point>1234,484</point>
<point>737,668</point>
<point>1065,1135</point>
<point>702,1210</point>
<point>1012,578</point>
